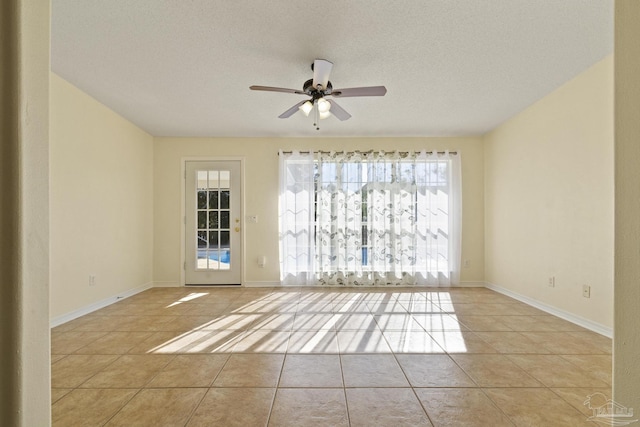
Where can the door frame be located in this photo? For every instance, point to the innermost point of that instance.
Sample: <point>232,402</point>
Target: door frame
<point>183,213</point>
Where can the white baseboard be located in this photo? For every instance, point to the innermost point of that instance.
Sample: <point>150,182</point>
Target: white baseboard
<point>59,320</point>
<point>570,317</point>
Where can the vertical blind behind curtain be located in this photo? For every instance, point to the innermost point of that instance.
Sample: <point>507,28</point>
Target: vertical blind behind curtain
<point>370,218</point>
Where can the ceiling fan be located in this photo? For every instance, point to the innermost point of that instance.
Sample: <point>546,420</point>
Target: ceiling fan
<point>318,88</point>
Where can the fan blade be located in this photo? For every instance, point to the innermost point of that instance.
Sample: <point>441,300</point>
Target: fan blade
<point>277,89</point>
<point>338,111</point>
<point>359,91</point>
<point>321,70</point>
<point>291,110</point>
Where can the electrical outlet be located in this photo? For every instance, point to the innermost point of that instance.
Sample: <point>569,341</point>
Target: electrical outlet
<point>92,280</point>
<point>467,263</point>
<point>552,282</point>
<point>586,291</point>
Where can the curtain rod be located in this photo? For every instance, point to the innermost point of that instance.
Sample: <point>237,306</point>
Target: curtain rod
<point>363,152</point>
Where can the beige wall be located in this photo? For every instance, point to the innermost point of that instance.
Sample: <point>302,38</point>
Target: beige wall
<point>261,184</point>
<point>549,198</point>
<point>626,372</point>
<point>101,201</point>
<point>25,398</point>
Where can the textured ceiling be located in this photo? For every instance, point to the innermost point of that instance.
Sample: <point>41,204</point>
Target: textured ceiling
<point>451,67</point>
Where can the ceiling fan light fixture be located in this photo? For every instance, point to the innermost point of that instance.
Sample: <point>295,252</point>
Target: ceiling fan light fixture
<point>324,114</point>
<point>323,105</point>
<point>306,108</point>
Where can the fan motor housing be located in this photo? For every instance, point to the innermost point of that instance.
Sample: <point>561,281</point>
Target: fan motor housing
<point>315,93</point>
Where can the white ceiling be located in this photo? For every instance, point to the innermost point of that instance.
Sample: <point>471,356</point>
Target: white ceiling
<point>451,67</point>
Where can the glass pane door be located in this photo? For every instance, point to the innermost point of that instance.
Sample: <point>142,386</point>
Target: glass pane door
<point>213,220</point>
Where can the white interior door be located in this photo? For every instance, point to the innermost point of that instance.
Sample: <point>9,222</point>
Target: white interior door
<point>212,223</point>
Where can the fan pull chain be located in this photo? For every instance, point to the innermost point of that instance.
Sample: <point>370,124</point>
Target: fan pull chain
<point>316,116</point>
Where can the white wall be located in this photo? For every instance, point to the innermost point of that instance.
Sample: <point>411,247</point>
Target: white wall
<point>101,201</point>
<point>261,183</point>
<point>549,198</point>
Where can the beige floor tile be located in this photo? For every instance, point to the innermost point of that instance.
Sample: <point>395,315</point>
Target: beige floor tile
<point>314,322</point>
<point>484,323</point>
<point>181,340</point>
<point>267,306</point>
<point>69,342</point>
<point>494,370</point>
<point>439,322</point>
<point>192,370</point>
<point>129,371</point>
<point>315,307</point>
<point>489,309</point>
<point>234,407</point>
<point>263,341</point>
<point>362,342</point>
<point>355,321</point>
<point>230,321</point>
<point>159,407</point>
<point>421,307</point>
<point>250,370</point>
<point>372,370</point>
<point>114,343</point>
<point>433,370</point>
<point>299,407</point>
<point>397,322</point>
<point>155,343</point>
<point>195,309</point>
<point>570,342</point>
<point>528,323</point>
<point>311,370</point>
<point>412,342</point>
<point>410,297</point>
<point>192,323</point>
<point>351,306</point>
<point>198,341</point>
<point>58,393</point>
<point>385,407</point>
<point>536,407</point>
<point>56,357</point>
<point>600,365</point>
<point>601,344</point>
<point>144,323</point>
<point>454,407</point>
<point>73,370</point>
<point>577,397</point>
<point>512,342</point>
<point>283,295</point>
<point>323,341</point>
<point>382,307</point>
<point>554,371</point>
<point>461,342</point>
<point>89,407</point>
<point>95,323</point>
<point>560,325</point>
<point>274,322</point>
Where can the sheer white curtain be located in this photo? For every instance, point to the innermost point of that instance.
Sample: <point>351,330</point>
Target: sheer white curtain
<point>370,218</point>
<point>297,218</point>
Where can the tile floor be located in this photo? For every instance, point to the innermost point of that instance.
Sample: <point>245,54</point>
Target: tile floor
<point>324,356</point>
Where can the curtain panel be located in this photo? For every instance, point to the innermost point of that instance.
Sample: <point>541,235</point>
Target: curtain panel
<point>370,218</point>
